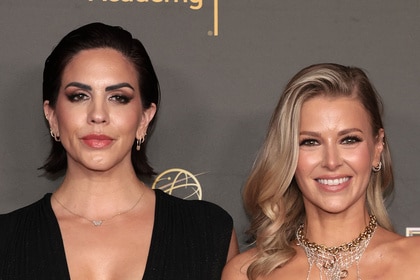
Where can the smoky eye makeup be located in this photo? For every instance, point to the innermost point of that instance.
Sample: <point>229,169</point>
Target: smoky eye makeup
<point>121,98</point>
<point>77,96</point>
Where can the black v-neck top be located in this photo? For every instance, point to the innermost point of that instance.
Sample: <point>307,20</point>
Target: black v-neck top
<point>190,240</point>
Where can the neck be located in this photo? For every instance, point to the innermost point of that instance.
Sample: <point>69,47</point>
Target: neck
<point>99,196</point>
<point>335,229</point>
<point>366,234</point>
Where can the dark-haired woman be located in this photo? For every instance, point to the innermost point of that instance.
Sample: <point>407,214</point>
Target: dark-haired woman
<point>100,96</point>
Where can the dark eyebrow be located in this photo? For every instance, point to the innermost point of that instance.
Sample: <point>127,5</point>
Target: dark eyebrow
<point>79,85</point>
<point>118,86</point>
<point>109,88</point>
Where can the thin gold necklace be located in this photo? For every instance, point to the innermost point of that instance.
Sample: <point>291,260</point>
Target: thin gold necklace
<point>98,223</point>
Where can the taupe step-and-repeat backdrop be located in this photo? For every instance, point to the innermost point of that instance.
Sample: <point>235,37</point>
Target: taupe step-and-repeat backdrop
<point>222,65</point>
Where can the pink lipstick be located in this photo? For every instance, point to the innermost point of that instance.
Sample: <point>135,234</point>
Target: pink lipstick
<point>97,141</point>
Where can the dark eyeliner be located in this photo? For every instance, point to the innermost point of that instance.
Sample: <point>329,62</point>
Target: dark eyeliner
<point>308,142</point>
<point>351,139</point>
<point>121,98</point>
<point>75,97</point>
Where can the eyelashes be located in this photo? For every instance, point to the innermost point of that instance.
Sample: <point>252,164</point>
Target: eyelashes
<point>123,99</point>
<point>347,140</point>
<point>76,97</point>
<point>118,98</point>
<point>309,142</point>
<point>351,140</point>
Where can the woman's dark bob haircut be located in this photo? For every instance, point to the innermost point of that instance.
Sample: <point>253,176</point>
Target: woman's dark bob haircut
<point>93,36</point>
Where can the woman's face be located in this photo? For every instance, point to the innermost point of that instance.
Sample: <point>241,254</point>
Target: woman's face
<point>98,113</point>
<point>337,149</point>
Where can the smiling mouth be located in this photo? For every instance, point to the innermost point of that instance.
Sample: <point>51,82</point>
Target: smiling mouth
<point>333,182</point>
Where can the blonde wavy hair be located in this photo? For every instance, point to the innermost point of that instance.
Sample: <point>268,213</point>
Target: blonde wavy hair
<point>271,196</point>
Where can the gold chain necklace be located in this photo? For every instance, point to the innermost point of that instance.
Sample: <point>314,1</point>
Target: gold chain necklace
<point>333,262</point>
<point>98,223</point>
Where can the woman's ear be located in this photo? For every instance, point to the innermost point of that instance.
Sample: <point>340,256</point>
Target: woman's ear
<point>49,113</point>
<point>146,117</point>
<point>379,147</point>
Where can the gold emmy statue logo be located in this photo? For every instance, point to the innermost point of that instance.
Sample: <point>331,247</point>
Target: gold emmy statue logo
<point>180,183</point>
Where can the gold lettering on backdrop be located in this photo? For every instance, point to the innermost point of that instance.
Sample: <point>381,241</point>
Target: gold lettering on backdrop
<point>198,6</point>
<point>216,18</point>
<point>193,5</point>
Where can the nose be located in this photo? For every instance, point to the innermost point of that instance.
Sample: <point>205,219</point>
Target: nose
<point>331,158</point>
<point>98,112</point>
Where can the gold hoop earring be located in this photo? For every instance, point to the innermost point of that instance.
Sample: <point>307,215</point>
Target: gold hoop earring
<point>139,142</point>
<point>377,168</point>
<point>56,137</point>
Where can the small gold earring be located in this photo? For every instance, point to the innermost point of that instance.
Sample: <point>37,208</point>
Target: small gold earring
<point>138,144</point>
<point>56,137</point>
<point>377,168</point>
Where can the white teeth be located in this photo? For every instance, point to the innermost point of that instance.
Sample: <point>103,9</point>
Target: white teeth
<point>333,182</point>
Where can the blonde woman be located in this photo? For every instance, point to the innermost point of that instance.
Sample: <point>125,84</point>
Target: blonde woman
<point>316,194</point>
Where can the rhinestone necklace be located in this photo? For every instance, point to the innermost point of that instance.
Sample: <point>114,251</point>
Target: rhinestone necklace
<point>333,262</point>
<point>98,223</point>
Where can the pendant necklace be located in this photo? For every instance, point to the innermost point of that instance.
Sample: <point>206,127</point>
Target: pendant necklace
<point>333,262</point>
<point>98,223</point>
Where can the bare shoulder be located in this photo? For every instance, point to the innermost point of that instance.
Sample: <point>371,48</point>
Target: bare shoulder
<point>407,254</point>
<point>399,246</point>
<point>409,247</point>
<point>236,268</point>
<point>393,256</point>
